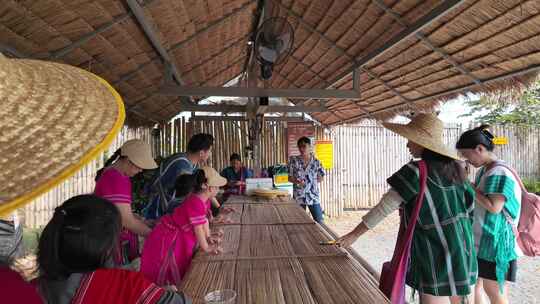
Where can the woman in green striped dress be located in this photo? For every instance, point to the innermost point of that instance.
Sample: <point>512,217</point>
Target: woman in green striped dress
<point>498,203</point>
<point>443,265</point>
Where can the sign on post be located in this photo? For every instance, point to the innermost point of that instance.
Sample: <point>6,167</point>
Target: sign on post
<point>324,151</point>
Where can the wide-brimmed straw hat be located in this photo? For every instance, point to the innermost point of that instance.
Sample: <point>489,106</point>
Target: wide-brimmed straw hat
<point>54,118</point>
<point>213,178</point>
<point>426,130</point>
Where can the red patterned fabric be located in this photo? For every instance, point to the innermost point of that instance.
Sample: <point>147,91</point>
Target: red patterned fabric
<point>111,286</point>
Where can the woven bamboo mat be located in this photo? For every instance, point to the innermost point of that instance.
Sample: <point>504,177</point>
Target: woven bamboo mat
<point>270,259</point>
<point>293,214</point>
<point>340,281</point>
<point>305,240</point>
<point>203,278</point>
<point>272,282</point>
<point>236,199</point>
<point>235,217</point>
<point>268,241</point>
<point>230,243</point>
<point>260,214</point>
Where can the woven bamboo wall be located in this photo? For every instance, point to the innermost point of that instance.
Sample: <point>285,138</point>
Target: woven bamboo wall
<point>364,156</point>
<point>230,137</point>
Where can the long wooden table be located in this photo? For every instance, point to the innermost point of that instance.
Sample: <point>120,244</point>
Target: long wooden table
<point>272,254</point>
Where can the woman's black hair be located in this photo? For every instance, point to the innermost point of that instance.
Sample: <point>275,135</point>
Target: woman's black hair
<point>200,181</point>
<point>185,184</point>
<point>478,136</point>
<point>81,237</point>
<point>449,168</point>
<point>116,155</point>
<point>303,141</point>
<point>200,142</point>
<point>235,156</point>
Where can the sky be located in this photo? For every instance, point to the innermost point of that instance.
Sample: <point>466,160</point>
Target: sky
<point>451,110</point>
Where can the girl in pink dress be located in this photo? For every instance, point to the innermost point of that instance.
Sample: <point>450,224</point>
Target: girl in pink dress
<point>113,183</point>
<point>169,248</point>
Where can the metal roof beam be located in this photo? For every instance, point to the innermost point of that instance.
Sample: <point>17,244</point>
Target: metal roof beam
<point>86,37</point>
<point>427,41</point>
<point>323,37</point>
<point>534,68</point>
<point>436,13</point>
<point>12,51</point>
<point>212,26</point>
<point>257,92</point>
<point>149,31</point>
<point>243,118</point>
<point>421,23</point>
<point>243,109</point>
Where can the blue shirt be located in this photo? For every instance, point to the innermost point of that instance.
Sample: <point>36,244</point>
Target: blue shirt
<point>161,189</point>
<point>309,193</point>
<point>233,177</point>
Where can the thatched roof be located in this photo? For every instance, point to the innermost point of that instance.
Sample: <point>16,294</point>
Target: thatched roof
<point>474,46</point>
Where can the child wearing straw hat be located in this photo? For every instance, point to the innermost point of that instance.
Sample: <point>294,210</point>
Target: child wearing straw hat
<point>55,119</point>
<point>168,250</point>
<point>443,262</point>
<point>113,183</point>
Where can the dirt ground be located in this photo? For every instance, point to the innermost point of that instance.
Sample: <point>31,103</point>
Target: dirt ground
<point>377,245</point>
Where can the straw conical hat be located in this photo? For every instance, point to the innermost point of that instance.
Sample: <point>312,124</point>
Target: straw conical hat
<point>426,130</point>
<point>54,118</point>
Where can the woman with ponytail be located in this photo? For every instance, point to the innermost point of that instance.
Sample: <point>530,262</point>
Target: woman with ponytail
<point>498,205</point>
<point>75,255</point>
<point>113,183</point>
<point>169,248</point>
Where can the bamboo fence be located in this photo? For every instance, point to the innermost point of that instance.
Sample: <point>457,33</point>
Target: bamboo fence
<point>364,156</point>
<point>280,263</point>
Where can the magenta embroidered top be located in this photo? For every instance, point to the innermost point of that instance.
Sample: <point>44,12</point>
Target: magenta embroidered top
<point>114,186</point>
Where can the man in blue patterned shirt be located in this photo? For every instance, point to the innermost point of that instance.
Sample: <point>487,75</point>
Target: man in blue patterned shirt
<point>306,172</point>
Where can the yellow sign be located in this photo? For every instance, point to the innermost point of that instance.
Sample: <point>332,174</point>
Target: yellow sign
<point>500,140</point>
<point>324,151</point>
<point>281,179</point>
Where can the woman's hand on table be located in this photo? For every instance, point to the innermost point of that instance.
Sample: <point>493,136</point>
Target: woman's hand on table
<point>214,250</point>
<point>221,220</point>
<point>218,233</point>
<point>212,240</point>
<point>227,210</point>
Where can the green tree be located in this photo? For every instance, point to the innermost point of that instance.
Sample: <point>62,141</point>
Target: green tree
<point>525,111</point>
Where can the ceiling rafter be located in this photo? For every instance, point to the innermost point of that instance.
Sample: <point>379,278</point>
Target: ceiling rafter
<point>191,38</point>
<point>323,37</point>
<point>428,42</point>
<point>436,13</point>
